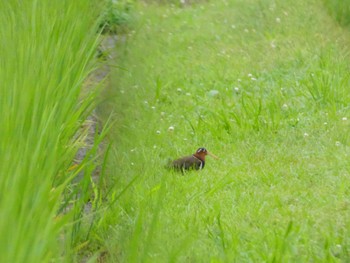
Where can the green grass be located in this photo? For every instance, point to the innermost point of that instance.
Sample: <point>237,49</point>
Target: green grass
<point>47,51</point>
<point>116,16</point>
<point>279,122</point>
<point>340,10</point>
<point>263,85</point>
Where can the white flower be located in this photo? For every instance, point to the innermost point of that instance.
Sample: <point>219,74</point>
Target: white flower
<point>213,93</point>
<point>285,106</point>
<point>250,75</point>
<point>171,128</point>
<point>278,20</point>
<point>158,132</point>
<point>344,119</point>
<point>337,143</point>
<point>179,90</point>
<point>306,134</point>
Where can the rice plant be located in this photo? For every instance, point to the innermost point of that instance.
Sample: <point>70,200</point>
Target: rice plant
<point>47,52</point>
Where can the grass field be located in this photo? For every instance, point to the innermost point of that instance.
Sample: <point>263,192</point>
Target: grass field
<point>263,85</point>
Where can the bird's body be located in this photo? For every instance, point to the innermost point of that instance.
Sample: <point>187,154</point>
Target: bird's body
<point>188,163</point>
<point>191,162</point>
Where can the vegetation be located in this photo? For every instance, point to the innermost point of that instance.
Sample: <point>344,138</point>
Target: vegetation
<point>262,84</point>
<point>116,16</point>
<point>47,50</point>
<point>340,10</point>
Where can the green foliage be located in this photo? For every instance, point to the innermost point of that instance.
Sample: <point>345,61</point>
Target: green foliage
<point>340,10</point>
<point>327,83</point>
<point>116,16</point>
<point>179,3</point>
<point>47,50</point>
<point>261,84</point>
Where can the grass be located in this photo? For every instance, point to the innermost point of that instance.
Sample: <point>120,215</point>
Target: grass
<point>264,86</point>
<point>339,10</point>
<point>115,18</point>
<point>47,52</point>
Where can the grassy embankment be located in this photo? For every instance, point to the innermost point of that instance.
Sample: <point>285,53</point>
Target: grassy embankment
<point>47,50</point>
<point>263,85</point>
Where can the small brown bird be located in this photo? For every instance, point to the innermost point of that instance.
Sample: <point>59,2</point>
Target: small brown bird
<point>192,162</point>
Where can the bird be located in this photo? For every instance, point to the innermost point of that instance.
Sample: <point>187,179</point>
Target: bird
<point>195,161</point>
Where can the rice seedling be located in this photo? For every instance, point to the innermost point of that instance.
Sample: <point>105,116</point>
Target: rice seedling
<point>47,52</point>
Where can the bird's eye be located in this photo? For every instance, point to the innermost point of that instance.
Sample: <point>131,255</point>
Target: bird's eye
<point>201,150</point>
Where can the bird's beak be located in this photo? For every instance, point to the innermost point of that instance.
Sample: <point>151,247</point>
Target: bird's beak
<point>213,155</point>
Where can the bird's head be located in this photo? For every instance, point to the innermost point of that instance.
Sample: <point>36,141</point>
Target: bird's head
<point>202,152</point>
